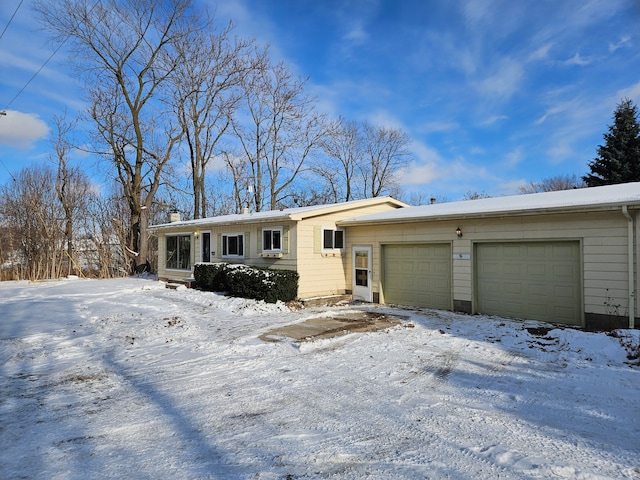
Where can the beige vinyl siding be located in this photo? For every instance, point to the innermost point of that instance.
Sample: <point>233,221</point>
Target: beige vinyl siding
<point>603,236</point>
<point>462,270</point>
<point>326,272</point>
<point>320,273</point>
<point>407,233</point>
<point>253,254</point>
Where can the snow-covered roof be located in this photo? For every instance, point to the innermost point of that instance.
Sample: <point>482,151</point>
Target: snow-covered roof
<point>295,214</point>
<point>594,198</point>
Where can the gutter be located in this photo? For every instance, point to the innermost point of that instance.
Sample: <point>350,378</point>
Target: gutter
<point>391,219</point>
<point>625,212</point>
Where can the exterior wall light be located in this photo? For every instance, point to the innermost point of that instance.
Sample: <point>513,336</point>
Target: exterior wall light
<point>196,233</point>
<point>459,232</point>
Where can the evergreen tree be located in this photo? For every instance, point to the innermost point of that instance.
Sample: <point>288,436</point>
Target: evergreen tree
<point>618,160</point>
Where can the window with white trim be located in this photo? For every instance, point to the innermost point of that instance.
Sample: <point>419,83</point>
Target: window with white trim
<point>233,245</point>
<point>272,239</point>
<point>332,239</point>
<point>178,252</point>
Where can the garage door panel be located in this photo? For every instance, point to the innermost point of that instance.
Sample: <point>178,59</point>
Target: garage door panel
<point>543,283</point>
<point>567,292</point>
<point>534,250</point>
<point>513,269</point>
<point>538,290</point>
<point>539,311</point>
<point>511,251</point>
<point>418,275</point>
<point>566,271</point>
<point>515,288</point>
<point>564,251</point>
<point>539,270</point>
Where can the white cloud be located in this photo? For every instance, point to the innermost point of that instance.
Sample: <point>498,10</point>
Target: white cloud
<point>383,118</point>
<point>550,112</point>
<point>21,130</point>
<point>493,119</point>
<point>632,92</point>
<point>513,158</point>
<point>579,60</point>
<point>425,168</point>
<point>541,53</point>
<point>512,187</point>
<point>615,46</point>
<point>217,163</point>
<point>430,171</point>
<point>416,174</point>
<point>356,34</point>
<point>436,127</point>
<point>505,81</point>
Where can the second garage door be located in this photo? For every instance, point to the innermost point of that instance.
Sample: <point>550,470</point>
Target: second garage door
<point>532,280</point>
<point>418,275</point>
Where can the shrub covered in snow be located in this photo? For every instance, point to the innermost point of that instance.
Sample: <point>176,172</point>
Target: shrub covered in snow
<point>211,276</point>
<point>248,282</point>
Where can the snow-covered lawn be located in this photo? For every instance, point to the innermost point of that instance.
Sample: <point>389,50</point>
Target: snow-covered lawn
<point>126,379</point>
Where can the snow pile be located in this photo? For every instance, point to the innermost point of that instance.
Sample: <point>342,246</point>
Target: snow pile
<point>126,379</point>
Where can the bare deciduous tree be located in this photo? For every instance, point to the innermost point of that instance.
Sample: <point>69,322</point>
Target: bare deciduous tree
<point>278,131</point>
<point>362,160</point>
<point>386,152</point>
<point>125,50</point>
<point>344,150</point>
<point>212,66</point>
<point>470,195</point>
<point>73,187</point>
<point>552,184</point>
<point>102,253</point>
<point>31,210</point>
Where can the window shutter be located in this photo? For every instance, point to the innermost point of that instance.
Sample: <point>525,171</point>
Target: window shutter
<point>317,239</point>
<point>219,254</point>
<point>246,244</point>
<point>285,239</point>
<point>260,241</point>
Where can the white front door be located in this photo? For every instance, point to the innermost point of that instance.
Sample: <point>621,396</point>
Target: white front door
<point>362,273</point>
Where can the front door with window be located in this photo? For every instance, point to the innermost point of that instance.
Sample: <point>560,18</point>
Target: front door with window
<point>362,273</point>
<point>206,246</point>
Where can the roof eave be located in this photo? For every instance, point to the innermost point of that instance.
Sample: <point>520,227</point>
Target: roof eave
<point>493,214</point>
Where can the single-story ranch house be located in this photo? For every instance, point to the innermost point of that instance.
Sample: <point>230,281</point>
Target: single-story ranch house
<point>566,257</point>
<point>306,239</point>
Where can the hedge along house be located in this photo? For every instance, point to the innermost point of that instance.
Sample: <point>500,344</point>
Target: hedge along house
<point>305,239</point>
<point>564,257</point>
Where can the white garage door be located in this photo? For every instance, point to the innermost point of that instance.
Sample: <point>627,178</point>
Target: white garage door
<point>532,280</point>
<point>418,275</point>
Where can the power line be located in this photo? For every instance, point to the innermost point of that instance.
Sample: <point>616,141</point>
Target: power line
<point>11,19</point>
<point>35,74</point>
<point>48,59</point>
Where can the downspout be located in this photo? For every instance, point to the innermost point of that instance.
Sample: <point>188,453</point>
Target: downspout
<point>625,212</point>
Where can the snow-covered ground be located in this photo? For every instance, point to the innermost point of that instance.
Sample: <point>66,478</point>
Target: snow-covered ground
<point>126,379</point>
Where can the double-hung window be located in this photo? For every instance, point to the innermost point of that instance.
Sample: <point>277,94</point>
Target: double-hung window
<point>332,239</point>
<point>233,245</point>
<point>272,240</point>
<point>178,252</point>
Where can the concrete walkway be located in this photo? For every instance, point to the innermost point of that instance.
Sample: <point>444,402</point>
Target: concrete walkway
<point>330,327</point>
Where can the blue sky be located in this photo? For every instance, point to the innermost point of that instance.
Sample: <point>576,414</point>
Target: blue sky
<point>494,94</point>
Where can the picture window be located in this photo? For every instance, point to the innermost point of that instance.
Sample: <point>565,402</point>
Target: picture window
<point>178,252</point>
